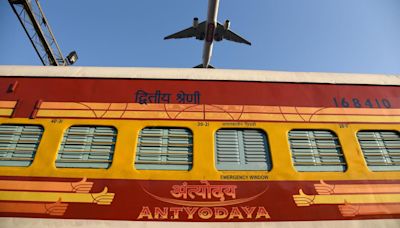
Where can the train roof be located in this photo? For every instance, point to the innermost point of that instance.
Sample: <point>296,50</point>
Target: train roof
<point>198,74</point>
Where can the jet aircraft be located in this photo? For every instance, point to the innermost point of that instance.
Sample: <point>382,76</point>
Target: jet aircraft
<point>209,31</point>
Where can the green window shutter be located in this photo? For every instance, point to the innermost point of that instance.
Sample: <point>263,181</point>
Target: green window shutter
<point>18,144</point>
<point>381,149</point>
<point>316,151</point>
<point>242,149</point>
<point>87,147</point>
<point>164,149</point>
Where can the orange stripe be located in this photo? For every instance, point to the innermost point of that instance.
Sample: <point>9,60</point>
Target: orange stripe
<point>81,186</point>
<point>214,108</point>
<point>351,210</point>
<point>7,104</point>
<point>328,189</point>
<point>216,112</point>
<point>56,209</point>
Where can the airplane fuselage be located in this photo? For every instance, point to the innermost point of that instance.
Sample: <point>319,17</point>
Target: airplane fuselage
<point>211,24</point>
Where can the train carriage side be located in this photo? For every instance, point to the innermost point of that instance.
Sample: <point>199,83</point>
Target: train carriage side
<point>104,145</point>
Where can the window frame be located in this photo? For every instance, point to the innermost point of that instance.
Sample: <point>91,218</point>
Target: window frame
<point>342,165</point>
<point>82,162</point>
<point>378,168</point>
<point>242,156</point>
<point>36,147</point>
<point>162,166</point>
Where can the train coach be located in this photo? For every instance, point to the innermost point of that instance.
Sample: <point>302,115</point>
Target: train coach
<point>175,147</point>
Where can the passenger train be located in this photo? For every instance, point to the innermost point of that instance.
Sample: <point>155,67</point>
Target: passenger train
<point>151,147</point>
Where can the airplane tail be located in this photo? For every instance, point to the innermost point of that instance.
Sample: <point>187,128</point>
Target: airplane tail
<point>201,66</point>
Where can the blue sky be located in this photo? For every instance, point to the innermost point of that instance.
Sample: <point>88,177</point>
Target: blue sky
<point>359,36</point>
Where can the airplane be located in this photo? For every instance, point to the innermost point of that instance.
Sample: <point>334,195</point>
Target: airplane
<point>209,31</point>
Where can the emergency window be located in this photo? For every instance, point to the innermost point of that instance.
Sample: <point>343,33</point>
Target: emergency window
<point>242,149</point>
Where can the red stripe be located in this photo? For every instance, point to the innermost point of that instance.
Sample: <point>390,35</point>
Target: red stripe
<point>131,196</point>
<point>30,90</point>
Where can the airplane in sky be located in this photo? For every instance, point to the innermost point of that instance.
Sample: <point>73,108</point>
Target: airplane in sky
<point>209,31</point>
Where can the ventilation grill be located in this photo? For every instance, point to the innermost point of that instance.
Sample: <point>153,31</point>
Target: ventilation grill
<point>18,144</point>
<point>87,147</point>
<point>381,149</point>
<point>316,151</point>
<point>164,149</point>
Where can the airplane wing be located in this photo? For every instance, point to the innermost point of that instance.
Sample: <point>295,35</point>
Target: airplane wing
<point>189,32</point>
<point>229,35</point>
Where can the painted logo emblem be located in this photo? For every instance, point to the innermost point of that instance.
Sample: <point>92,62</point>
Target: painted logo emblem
<point>203,201</point>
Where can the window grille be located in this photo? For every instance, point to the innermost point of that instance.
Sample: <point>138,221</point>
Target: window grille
<point>87,147</point>
<point>18,144</point>
<point>381,149</point>
<point>316,151</point>
<point>242,149</point>
<point>164,149</point>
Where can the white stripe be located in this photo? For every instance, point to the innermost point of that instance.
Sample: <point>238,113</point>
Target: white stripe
<point>198,74</point>
<point>66,223</point>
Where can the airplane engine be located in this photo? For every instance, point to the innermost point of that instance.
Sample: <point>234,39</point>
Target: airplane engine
<point>227,24</point>
<point>195,22</point>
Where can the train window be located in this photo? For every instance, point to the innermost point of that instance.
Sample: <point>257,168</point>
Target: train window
<point>316,151</point>
<point>18,144</point>
<point>242,149</point>
<point>87,147</point>
<point>381,149</point>
<point>162,148</point>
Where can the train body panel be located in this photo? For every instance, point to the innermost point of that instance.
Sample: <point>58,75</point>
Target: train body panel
<point>155,149</point>
<point>199,201</point>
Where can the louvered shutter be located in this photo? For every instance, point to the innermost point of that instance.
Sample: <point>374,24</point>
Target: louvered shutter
<point>87,147</point>
<point>164,149</point>
<point>242,149</point>
<point>316,150</point>
<point>18,144</point>
<point>381,149</point>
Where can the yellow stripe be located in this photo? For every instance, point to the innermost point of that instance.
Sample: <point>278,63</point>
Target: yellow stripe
<point>65,113</point>
<point>122,166</point>
<point>102,198</point>
<point>6,112</point>
<point>355,119</point>
<point>307,200</point>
